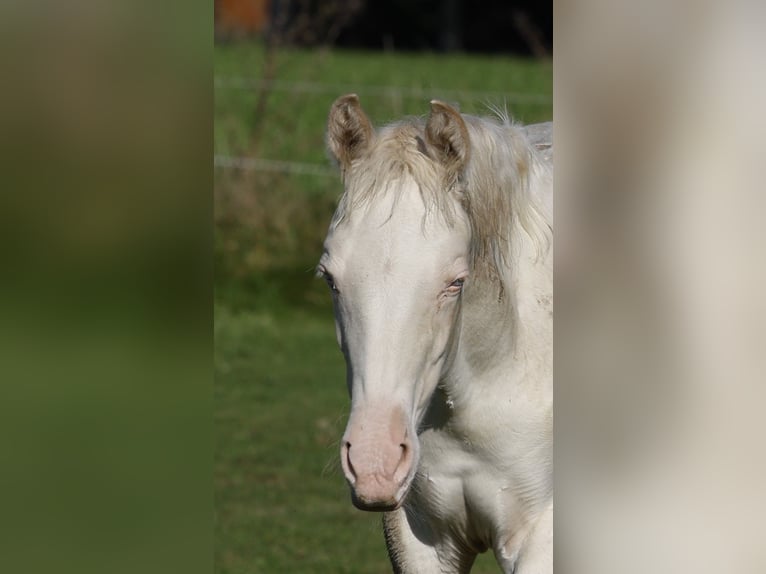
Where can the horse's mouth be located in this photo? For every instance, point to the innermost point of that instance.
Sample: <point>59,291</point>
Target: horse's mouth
<point>389,504</point>
<point>376,505</point>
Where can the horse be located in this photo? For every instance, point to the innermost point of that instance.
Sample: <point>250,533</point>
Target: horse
<point>439,263</point>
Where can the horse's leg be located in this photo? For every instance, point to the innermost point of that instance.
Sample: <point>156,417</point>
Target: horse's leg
<point>413,549</point>
<point>536,555</point>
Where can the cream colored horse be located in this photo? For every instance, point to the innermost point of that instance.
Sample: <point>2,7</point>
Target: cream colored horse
<point>439,262</point>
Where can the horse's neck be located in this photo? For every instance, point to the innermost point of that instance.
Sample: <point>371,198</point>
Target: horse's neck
<point>505,329</point>
<point>506,326</point>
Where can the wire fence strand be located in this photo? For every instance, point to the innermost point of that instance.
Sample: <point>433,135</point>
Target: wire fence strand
<point>272,165</point>
<point>245,83</point>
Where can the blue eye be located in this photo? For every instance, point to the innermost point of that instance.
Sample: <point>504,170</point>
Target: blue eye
<point>457,283</point>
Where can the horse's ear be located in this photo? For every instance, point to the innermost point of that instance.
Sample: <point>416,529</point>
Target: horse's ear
<point>447,134</point>
<point>349,131</point>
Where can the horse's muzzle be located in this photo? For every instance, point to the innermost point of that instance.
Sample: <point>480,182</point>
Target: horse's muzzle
<point>377,459</point>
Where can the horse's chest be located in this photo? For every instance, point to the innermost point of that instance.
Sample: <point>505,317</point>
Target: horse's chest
<point>465,492</point>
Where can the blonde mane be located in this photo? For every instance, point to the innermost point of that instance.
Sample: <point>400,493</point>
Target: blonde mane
<point>494,190</point>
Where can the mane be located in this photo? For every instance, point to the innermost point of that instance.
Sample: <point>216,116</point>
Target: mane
<point>494,190</point>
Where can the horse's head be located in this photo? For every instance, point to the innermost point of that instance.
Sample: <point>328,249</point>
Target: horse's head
<point>396,260</point>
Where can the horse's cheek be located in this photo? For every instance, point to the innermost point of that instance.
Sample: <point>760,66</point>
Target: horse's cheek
<point>443,325</point>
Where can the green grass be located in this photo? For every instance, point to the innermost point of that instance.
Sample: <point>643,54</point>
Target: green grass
<point>281,503</point>
<point>292,126</point>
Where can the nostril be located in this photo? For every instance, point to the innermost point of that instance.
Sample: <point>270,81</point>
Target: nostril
<point>346,462</point>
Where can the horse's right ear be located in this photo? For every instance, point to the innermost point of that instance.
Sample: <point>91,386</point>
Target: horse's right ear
<point>349,131</point>
<point>447,134</point>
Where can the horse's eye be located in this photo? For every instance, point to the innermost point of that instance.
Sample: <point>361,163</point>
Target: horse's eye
<point>456,286</point>
<point>330,282</point>
<point>324,274</point>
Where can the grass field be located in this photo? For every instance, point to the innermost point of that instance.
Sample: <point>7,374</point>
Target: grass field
<point>281,504</point>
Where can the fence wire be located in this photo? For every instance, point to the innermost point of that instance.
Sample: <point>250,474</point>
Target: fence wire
<point>244,83</point>
<point>272,165</point>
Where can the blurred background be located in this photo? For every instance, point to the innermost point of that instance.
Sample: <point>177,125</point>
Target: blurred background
<point>281,504</point>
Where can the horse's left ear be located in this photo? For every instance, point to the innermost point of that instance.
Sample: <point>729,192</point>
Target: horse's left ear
<point>447,134</point>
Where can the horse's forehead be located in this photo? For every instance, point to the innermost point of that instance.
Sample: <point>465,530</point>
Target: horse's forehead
<point>392,223</point>
<point>399,221</point>
<point>400,207</point>
<point>404,246</point>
